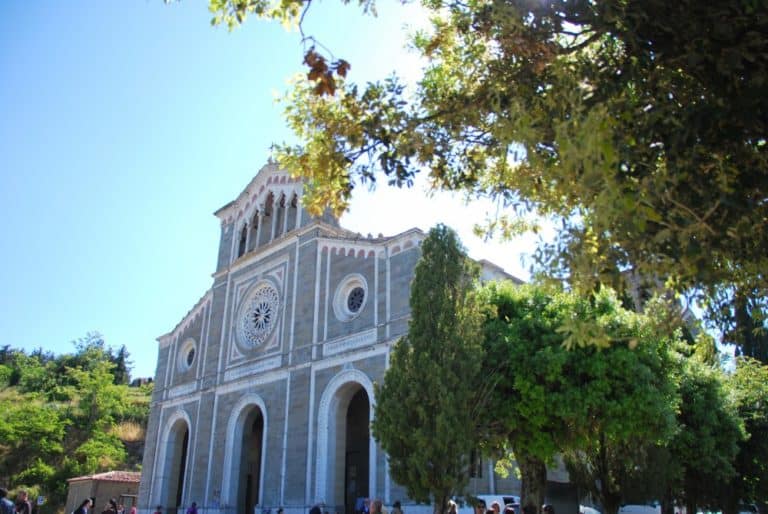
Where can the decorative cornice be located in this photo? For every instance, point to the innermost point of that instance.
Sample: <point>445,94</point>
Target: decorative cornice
<point>264,252</point>
<point>253,369</point>
<point>344,344</point>
<point>182,390</point>
<point>366,247</point>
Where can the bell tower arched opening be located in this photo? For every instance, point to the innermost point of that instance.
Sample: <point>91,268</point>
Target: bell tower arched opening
<point>267,221</point>
<point>280,217</point>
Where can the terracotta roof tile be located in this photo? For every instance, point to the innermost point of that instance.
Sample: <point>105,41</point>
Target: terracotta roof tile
<point>111,476</point>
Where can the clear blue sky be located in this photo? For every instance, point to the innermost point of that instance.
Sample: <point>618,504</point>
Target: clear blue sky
<point>124,125</point>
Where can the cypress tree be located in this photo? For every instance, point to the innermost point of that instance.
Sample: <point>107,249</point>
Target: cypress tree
<point>426,406</point>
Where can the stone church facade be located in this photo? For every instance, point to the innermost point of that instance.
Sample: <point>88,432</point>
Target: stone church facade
<point>264,390</point>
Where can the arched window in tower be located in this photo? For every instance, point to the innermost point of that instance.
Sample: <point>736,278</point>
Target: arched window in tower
<point>293,211</point>
<point>265,234</point>
<point>253,238</point>
<point>243,239</point>
<point>280,217</point>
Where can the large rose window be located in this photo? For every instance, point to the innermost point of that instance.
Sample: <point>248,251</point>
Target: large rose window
<point>258,315</point>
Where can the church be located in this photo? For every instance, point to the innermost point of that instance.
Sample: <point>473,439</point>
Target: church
<point>264,390</point>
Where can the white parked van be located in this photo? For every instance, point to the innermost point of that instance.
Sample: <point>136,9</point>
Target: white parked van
<point>502,499</point>
<point>651,508</point>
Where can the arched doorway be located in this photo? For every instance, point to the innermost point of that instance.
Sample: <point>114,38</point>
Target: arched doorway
<point>249,476</point>
<point>346,454</point>
<point>243,480</point>
<point>356,454</point>
<point>174,454</point>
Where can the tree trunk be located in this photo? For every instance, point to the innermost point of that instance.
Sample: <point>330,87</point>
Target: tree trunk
<point>667,502</point>
<point>611,502</point>
<point>441,504</point>
<point>610,493</point>
<point>533,473</point>
<point>730,500</point>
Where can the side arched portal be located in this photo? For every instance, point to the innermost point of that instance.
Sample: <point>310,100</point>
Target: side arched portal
<point>172,463</point>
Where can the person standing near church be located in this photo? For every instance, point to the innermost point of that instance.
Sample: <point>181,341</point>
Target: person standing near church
<point>83,508</point>
<point>111,507</point>
<point>22,504</point>
<point>192,508</point>
<point>6,505</point>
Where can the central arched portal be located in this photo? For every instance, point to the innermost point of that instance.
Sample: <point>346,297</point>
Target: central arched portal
<point>242,484</point>
<point>249,473</point>
<point>356,451</point>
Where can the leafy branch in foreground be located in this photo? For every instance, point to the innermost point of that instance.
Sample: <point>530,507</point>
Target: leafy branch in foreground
<point>639,126</point>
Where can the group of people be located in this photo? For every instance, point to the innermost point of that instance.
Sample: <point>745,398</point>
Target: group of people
<point>481,508</point>
<point>22,505</point>
<point>112,507</point>
<point>376,506</point>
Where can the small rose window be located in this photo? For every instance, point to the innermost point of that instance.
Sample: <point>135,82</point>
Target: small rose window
<point>187,353</point>
<point>355,299</point>
<point>190,356</point>
<point>350,298</point>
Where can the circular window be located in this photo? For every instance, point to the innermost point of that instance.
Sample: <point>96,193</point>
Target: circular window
<point>258,315</point>
<point>351,295</point>
<point>187,354</point>
<point>355,299</point>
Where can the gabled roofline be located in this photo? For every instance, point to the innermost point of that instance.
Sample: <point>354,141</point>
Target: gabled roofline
<point>268,175</point>
<point>191,314</point>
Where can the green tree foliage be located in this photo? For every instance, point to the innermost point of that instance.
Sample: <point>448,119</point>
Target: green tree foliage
<point>100,401</point>
<point>709,433</point>
<point>640,126</point>
<point>749,388</point>
<point>62,415</point>
<point>426,407</point>
<point>601,408</point>
<point>29,430</point>
<point>523,357</point>
<point>123,364</point>
<point>585,403</point>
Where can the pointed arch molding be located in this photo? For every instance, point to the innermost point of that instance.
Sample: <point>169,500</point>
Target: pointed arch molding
<point>170,432</point>
<point>233,448</point>
<point>328,403</point>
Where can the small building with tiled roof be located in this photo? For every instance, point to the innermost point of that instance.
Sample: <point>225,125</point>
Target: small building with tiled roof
<point>123,486</point>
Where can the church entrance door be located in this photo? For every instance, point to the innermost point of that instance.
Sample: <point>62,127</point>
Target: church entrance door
<point>356,462</point>
<point>346,454</point>
<point>249,473</point>
<point>175,465</point>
